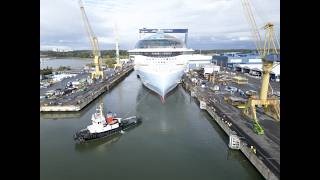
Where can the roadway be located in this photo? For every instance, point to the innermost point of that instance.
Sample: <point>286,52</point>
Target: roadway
<point>76,97</point>
<point>62,84</point>
<point>267,145</point>
<point>255,82</point>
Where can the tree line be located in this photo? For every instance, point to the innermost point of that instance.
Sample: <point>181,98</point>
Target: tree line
<point>124,53</point>
<point>49,70</point>
<point>220,51</point>
<point>85,53</point>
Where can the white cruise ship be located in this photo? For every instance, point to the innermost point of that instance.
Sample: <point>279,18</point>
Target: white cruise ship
<point>160,61</point>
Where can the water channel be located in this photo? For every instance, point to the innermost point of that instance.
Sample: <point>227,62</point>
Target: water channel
<point>176,140</point>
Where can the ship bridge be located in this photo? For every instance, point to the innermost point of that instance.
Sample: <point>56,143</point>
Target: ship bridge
<point>160,40</point>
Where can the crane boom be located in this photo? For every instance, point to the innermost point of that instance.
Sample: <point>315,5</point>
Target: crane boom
<point>118,64</point>
<point>93,39</point>
<point>270,106</point>
<point>117,44</point>
<point>93,42</point>
<point>254,28</point>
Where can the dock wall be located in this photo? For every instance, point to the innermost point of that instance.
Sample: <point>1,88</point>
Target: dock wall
<point>212,110</point>
<point>83,102</point>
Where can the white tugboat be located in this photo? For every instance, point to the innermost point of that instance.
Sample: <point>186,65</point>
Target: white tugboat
<point>104,126</point>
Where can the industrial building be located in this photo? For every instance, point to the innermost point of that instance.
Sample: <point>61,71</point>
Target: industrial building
<point>197,61</point>
<point>245,63</point>
<point>230,60</point>
<point>211,68</point>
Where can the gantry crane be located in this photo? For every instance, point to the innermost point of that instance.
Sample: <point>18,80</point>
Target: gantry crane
<point>269,54</point>
<point>118,64</point>
<point>98,73</point>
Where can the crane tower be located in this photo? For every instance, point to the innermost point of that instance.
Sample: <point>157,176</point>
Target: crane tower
<point>118,64</point>
<point>98,73</point>
<point>269,54</point>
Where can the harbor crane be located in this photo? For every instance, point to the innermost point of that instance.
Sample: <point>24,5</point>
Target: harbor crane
<point>269,54</point>
<point>118,64</point>
<point>98,72</point>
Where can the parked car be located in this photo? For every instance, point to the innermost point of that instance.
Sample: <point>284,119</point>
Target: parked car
<point>277,93</point>
<point>215,88</point>
<point>251,93</point>
<point>231,89</point>
<point>49,93</point>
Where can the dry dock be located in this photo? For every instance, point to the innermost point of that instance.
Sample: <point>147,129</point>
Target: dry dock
<point>263,151</point>
<point>82,99</point>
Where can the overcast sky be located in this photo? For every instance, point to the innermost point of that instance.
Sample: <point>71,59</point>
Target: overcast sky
<point>212,24</point>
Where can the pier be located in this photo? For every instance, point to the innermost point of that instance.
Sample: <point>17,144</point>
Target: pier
<point>263,151</point>
<point>82,99</point>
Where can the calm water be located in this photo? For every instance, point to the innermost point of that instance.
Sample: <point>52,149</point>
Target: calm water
<point>176,140</point>
<point>73,63</point>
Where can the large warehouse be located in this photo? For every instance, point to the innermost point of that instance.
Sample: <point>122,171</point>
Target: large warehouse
<point>197,61</point>
<point>246,63</point>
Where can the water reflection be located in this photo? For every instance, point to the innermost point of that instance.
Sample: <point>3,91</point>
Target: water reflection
<point>235,155</point>
<point>97,143</point>
<point>215,126</point>
<point>150,108</point>
<point>142,93</point>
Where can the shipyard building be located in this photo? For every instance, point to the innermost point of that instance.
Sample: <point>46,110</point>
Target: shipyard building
<point>245,63</point>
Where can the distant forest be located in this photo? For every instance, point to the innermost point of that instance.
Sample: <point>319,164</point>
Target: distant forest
<point>84,54</point>
<point>220,51</point>
<point>124,53</point>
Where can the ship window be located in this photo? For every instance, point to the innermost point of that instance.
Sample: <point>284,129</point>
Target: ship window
<point>159,43</point>
<point>161,54</point>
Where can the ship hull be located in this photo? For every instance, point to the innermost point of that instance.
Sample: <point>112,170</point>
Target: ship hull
<point>161,82</point>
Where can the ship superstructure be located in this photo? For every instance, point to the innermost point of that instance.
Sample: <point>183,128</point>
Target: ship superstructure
<point>160,61</point>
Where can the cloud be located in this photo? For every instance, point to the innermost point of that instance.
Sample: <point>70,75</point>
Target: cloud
<point>210,22</point>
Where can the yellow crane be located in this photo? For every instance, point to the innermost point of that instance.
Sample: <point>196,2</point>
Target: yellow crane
<point>269,54</point>
<point>98,73</point>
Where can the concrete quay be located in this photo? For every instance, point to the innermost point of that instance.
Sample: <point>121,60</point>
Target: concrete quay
<point>79,100</point>
<point>265,154</point>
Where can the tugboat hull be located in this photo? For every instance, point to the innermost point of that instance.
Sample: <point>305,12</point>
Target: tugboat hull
<point>85,135</point>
